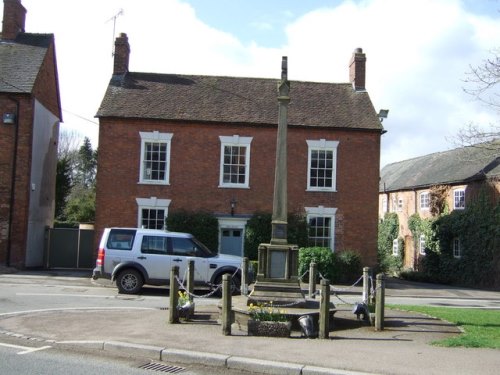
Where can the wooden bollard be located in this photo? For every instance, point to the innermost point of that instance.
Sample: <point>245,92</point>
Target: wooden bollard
<point>226,304</point>
<point>324,310</point>
<point>244,276</point>
<point>190,279</point>
<point>380,302</point>
<point>366,284</point>
<point>173,313</point>
<point>312,280</point>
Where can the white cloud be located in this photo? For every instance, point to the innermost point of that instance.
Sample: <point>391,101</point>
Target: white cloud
<point>417,55</point>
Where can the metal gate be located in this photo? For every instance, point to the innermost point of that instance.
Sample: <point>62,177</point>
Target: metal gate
<point>70,248</point>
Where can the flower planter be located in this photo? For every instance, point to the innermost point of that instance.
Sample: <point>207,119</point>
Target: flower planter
<point>268,328</point>
<point>186,311</point>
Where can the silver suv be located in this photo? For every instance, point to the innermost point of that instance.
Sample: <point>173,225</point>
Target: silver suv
<point>134,257</point>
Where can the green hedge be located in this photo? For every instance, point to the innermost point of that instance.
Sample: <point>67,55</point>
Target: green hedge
<point>342,267</point>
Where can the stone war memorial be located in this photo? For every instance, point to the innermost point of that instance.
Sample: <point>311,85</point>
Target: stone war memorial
<point>277,274</point>
<point>277,287</point>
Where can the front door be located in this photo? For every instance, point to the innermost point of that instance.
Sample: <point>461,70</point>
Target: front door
<point>232,241</point>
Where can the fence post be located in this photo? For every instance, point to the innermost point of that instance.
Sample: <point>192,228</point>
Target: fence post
<point>173,313</point>
<point>226,304</point>
<point>324,310</point>
<point>312,280</point>
<point>244,275</point>
<point>366,284</point>
<point>190,279</point>
<point>380,302</point>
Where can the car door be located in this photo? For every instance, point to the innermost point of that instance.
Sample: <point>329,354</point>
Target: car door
<point>184,249</point>
<point>153,256</point>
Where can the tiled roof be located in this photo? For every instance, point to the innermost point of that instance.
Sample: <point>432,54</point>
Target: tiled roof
<point>235,100</point>
<point>20,61</point>
<point>448,167</point>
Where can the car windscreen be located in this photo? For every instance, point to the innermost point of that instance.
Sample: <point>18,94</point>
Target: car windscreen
<point>121,239</point>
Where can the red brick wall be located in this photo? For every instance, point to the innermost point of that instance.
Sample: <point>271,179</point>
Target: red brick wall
<point>23,165</point>
<point>45,91</point>
<point>195,166</point>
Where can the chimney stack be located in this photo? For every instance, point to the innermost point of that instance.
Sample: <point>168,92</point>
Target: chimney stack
<point>14,17</point>
<point>121,55</point>
<point>357,70</point>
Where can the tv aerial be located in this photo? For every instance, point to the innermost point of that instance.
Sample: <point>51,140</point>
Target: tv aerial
<point>120,13</point>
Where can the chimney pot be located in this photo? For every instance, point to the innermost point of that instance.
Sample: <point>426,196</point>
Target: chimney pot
<point>357,70</point>
<point>121,54</point>
<point>14,18</point>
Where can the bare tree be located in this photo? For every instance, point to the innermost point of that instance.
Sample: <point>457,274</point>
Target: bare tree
<point>482,82</point>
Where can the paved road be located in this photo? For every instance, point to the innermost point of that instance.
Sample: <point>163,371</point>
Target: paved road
<point>100,318</point>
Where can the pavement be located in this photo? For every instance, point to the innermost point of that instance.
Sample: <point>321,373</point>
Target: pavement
<point>354,347</point>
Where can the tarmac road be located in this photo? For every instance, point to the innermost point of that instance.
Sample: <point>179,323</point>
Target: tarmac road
<point>402,348</point>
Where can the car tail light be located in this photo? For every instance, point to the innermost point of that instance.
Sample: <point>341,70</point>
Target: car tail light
<point>100,257</point>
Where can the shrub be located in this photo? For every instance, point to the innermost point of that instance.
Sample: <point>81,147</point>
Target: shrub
<point>388,230</point>
<point>347,266</point>
<point>322,256</point>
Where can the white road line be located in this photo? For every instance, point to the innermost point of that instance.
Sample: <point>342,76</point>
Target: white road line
<point>32,350</point>
<point>75,309</point>
<point>25,349</point>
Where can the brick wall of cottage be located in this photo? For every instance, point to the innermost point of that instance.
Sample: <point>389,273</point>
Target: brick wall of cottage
<point>195,167</point>
<point>23,165</point>
<point>46,92</point>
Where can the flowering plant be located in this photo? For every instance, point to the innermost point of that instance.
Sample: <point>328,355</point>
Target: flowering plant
<point>183,298</point>
<point>267,313</point>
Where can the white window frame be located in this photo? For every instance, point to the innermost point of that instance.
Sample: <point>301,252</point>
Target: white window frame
<point>155,137</point>
<point>421,245</point>
<point>400,204</point>
<point>152,203</point>
<point>457,248</point>
<point>459,192</point>
<point>394,204</point>
<point>395,247</point>
<point>425,201</point>
<point>322,145</point>
<point>235,141</point>
<point>384,204</point>
<point>325,212</point>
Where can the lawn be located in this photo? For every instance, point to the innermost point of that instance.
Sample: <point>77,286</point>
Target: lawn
<point>481,327</point>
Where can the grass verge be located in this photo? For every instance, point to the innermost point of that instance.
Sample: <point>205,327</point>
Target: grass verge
<point>481,327</point>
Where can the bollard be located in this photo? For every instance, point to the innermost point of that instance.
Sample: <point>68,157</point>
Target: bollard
<point>190,286</point>
<point>190,279</point>
<point>244,275</point>
<point>324,310</point>
<point>312,280</point>
<point>173,313</point>
<point>366,284</point>
<point>380,302</point>
<point>226,304</point>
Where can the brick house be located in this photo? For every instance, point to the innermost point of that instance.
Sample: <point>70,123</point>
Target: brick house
<point>459,175</point>
<point>171,142</point>
<point>29,130</point>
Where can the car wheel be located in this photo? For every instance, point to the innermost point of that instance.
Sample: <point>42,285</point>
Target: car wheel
<point>129,281</point>
<point>235,284</point>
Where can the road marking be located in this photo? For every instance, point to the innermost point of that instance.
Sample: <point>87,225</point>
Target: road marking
<point>25,349</point>
<point>97,308</point>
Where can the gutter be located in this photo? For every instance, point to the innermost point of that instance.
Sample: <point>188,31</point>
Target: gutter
<point>12,184</point>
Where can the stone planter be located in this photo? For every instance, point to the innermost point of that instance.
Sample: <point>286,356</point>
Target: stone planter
<point>268,328</point>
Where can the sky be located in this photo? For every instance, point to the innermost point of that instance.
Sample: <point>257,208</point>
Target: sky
<point>418,53</point>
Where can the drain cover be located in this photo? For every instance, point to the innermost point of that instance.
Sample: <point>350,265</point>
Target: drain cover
<point>162,368</point>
